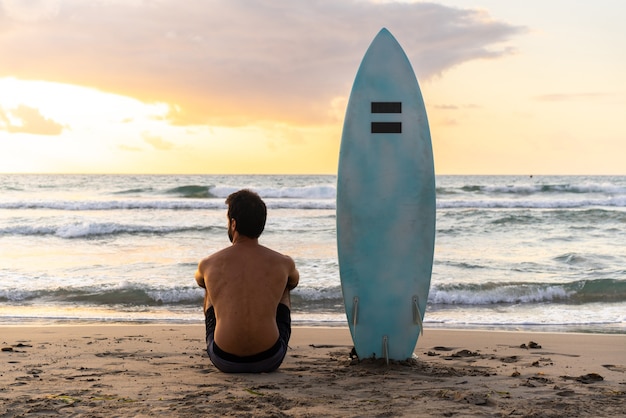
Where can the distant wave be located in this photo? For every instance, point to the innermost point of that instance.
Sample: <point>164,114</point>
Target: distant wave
<point>135,191</point>
<point>303,192</point>
<point>132,294</point>
<point>95,229</point>
<point>77,205</point>
<point>222,191</point>
<point>578,292</point>
<point>124,294</point>
<point>493,203</point>
<point>188,204</point>
<point>524,189</point>
<point>192,191</point>
<point>535,189</point>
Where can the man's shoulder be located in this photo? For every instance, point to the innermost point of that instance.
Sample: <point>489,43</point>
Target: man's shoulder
<point>216,255</point>
<point>271,251</point>
<point>277,255</point>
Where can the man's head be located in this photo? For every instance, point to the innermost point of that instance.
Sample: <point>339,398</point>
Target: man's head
<point>248,211</point>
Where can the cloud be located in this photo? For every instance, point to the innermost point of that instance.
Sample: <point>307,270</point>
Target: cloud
<point>457,107</point>
<point>566,97</point>
<point>157,142</point>
<point>129,148</point>
<point>30,10</point>
<point>29,120</point>
<point>239,61</point>
<point>447,107</point>
<point>449,122</point>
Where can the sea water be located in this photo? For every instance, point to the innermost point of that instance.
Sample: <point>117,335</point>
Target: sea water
<point>533,253</point>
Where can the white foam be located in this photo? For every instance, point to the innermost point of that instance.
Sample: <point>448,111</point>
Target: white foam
<point>530,203</point>
<point>304,192</point>
<point>504,294</point>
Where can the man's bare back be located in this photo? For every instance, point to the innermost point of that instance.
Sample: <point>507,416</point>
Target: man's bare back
<point>245,283</point>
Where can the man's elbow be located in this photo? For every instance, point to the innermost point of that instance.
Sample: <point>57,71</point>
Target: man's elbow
<point>200,279</point>
<point>292,283</point>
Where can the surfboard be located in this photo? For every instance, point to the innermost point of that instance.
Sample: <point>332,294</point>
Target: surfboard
<point>385,204</point>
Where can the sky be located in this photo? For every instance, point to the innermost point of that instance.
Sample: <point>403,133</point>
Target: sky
<point>261,86</point>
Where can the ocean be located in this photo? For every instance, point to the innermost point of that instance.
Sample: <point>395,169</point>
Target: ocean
<point>512,252</point>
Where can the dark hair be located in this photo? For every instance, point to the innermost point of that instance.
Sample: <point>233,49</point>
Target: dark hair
<point>248,209</point>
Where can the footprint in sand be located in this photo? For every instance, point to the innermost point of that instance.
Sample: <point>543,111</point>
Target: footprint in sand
<point>465,353</point>
<point>586,379</point>
<point>530,345</point>
<point>615,368</point>
<point>590,378</point>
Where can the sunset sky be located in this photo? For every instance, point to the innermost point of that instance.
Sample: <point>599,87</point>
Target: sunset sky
<point>258,86</point>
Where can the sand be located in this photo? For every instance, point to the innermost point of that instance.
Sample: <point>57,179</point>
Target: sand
<point>162,370</point>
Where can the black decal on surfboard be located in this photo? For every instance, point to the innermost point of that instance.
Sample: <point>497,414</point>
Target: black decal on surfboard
<point>386,127</point>
<point>386,107</point>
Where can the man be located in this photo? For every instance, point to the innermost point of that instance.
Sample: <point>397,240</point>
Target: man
<point>247,304</point>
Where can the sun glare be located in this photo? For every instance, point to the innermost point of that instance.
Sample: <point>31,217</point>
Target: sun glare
<point>55,127</point>
<point>71,104</point>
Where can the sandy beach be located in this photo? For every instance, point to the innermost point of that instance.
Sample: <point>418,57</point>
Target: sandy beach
<point>150,370</point>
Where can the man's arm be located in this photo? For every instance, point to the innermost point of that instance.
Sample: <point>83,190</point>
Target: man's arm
<point>293,278</point>
<point>200,276</point>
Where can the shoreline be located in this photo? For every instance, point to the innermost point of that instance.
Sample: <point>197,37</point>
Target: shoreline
<point>148,369</point>
<point>540,329</point>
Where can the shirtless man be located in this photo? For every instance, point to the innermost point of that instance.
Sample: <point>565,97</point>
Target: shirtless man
<point>246,304</point>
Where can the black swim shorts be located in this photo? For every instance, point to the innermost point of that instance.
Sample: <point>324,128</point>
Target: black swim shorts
<point>267,361</point>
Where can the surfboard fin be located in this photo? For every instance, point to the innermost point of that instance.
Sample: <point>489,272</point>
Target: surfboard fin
<point>355,310</point>
<point>417,316</point>
<point>355,314</point>
<point>386,349</point>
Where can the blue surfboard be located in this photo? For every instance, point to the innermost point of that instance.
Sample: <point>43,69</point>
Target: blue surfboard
<point>385,204</point>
